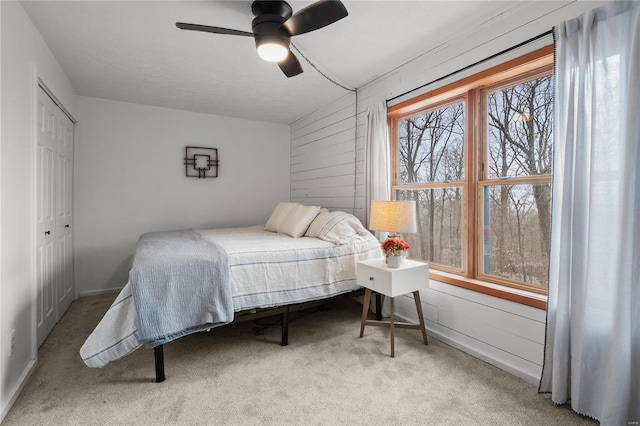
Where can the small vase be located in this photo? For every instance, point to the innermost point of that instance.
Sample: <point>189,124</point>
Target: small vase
<point>394,261</point>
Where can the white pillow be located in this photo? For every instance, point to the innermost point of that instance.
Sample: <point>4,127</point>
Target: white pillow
<point>297,220</point>
<point>336,227</point>
<point>278,215</point>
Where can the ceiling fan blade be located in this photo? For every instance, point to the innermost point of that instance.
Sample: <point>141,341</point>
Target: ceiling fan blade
<point>290,65</point>
<point>315,16</point>
<point>209,29</point>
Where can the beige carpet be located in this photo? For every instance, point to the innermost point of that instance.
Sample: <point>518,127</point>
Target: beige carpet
<point>326,376</point>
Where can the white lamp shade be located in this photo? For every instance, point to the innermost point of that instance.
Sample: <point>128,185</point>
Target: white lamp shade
<point>393,216</point>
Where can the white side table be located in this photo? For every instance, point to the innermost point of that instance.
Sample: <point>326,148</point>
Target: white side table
<point>410,277</point>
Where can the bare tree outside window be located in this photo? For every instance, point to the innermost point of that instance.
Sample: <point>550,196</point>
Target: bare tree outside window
<point>520,145</point>
<point>476,157</point>
<point>431,150</point>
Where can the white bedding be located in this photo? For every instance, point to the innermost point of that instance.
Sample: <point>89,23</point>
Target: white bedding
<point>266,270</point>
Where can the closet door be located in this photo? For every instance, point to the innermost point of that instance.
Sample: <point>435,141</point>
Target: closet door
<point>46,259</point>
<point>64,213</point>
<point>54,219</point>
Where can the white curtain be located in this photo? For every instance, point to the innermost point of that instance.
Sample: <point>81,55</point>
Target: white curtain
<point>592,350</point>
<point>377,158</point>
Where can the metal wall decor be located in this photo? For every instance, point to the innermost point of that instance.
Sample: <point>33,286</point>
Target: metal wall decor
<point>201,162</point>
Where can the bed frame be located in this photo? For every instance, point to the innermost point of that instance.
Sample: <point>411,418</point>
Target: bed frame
<point>283,311</point>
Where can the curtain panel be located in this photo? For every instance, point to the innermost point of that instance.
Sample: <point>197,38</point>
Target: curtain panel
<point>592,350</point>
<point>377,158</point>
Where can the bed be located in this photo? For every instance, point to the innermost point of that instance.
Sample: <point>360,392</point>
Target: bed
<point>301,256</point>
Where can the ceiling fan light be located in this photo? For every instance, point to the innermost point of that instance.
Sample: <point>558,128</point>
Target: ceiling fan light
<point>272,52</point>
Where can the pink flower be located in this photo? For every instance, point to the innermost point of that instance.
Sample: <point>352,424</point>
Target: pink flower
<point>394,245</point>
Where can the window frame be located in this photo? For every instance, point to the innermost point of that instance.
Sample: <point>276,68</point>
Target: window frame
<point>393,129</point>
<point>473,91</point>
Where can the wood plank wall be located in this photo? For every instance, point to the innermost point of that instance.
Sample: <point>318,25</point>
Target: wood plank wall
<point>326,169</point>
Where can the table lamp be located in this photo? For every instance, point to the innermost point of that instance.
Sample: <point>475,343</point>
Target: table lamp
<point>393,216</point>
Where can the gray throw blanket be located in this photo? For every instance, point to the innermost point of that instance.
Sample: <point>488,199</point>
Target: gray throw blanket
<point>180,285</point>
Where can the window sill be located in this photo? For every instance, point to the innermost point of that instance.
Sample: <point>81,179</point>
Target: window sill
<point>515,295</point>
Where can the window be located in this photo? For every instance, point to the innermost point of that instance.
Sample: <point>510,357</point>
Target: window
<point>476,156</point>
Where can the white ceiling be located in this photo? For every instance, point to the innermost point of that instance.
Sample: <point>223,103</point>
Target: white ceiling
<point>131,51</point>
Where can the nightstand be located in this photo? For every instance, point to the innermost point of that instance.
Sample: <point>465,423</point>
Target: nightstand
<point>410,277</point>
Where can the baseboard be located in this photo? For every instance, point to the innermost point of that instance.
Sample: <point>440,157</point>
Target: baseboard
<point>97,292</point>
<point>19,387</point>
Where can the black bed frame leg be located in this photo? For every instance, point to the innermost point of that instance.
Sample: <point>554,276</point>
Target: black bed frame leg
<point>284,341</point>
<point>158,353</point>
<point>378,307</point>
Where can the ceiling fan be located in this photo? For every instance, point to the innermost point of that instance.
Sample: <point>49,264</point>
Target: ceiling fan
<point>274,25</point>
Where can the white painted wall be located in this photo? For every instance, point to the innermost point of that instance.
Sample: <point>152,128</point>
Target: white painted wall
<point>130,179</point>
<point>25,56</point>
<point>324,157</point>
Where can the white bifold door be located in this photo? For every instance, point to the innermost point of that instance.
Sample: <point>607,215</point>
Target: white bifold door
<point>54,204</point>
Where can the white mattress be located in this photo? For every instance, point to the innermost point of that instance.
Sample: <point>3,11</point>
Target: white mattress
<point>269,269</point>
<point>266,270</point>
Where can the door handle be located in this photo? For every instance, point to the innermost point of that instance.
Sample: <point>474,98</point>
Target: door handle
<point>66,226</point>
<point>47,233</point>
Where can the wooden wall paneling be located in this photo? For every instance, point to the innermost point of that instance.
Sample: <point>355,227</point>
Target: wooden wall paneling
<point>321,156</point>
<point>342,142</point>
<point>513,364</point>
<point>332,203</point>
<point>472,320</point>
<point>537,315</point>
<point>321,182</point>
<point>325,162</point>
<point>344,169</point>
<point>322,134</point>
<point>329,110</point>
<point>328,192</point>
